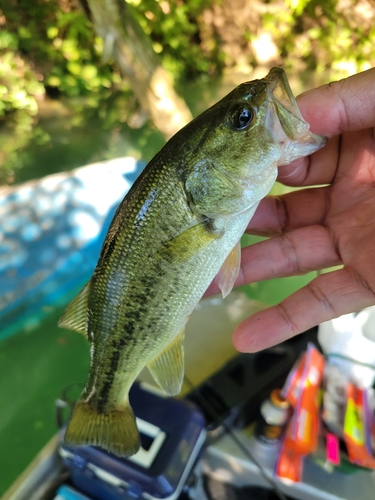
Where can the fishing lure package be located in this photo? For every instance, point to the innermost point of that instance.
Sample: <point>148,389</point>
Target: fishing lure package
<point>301,390</point>
<point>172,433</point>
<point>358,425</point>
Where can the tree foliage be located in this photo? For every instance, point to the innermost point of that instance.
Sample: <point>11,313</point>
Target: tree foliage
<point>49,47</point>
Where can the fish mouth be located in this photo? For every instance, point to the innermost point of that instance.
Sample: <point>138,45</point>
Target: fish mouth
<point>285,122</point>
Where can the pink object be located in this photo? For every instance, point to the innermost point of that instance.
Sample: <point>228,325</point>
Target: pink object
<point>332,449</point>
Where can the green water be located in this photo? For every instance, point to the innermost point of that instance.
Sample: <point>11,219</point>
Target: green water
<point>34,367</point>
<point>68,135</point>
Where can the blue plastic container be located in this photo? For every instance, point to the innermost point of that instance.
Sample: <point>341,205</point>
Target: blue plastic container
<point>172,433</point>
<point>68,493</point>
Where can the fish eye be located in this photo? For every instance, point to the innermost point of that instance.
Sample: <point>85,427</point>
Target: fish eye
<point>241,116</point>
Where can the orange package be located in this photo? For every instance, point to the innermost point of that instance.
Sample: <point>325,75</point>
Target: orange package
<point>358,424</point>
<point>302,434</point>
<point>302,391</point>
<point>289,464</point>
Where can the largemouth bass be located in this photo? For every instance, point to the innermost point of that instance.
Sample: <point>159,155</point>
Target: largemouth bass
<point>178,227</point>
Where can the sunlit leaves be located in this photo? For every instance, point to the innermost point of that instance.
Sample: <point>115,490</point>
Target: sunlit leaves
<point>52,32</point>
<point>19,86</point>
<point>174,28</point>
<point>334,35</point>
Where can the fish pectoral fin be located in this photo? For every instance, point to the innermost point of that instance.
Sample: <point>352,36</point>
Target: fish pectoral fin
<point>115,430</point>
<point>187,244</point>
<point>229,271</point>
<point>168,366</point>
<point>75,315</point>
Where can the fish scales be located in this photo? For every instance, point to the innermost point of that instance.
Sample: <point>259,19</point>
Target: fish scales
<point>178,227</point>
<point>130,270</point>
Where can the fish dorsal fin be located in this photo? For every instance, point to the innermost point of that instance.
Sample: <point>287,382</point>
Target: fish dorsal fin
<point>75,315</point>
<point>168,366</point>
<point>228,273</point>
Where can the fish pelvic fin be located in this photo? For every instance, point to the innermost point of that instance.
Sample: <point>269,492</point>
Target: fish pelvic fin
<point>229,271</point>
<point>167,368</point>
<point>75,315</point>
<point>115,431</point>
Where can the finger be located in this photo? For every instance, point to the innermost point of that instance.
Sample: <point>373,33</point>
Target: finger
<point>276,215</point>
<point>346,105</point>
<point>319,168</point>
<point>339,156</point>
<point>324,298</point>
<point>342,106</point>
<point>295,253</point>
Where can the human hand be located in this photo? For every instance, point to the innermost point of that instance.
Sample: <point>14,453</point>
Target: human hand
<point>319,227</point>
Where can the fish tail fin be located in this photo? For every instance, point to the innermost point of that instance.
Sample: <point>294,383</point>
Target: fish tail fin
<point>115,431</point>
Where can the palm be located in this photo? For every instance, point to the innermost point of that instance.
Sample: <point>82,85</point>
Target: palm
<point>351,208</point>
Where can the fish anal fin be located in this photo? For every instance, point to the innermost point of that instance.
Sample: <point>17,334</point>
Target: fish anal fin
<point>229,271</point>
<point>167,368</point>
<point>75,315</point>
<point>115,431</point>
